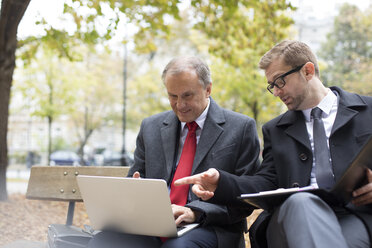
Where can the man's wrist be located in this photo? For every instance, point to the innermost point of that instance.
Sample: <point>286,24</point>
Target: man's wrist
<point>199,215</point>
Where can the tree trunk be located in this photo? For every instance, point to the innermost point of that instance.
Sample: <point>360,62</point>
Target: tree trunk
<point>50,122</point>
<point>83,142</point>
<point>255,110</point>
<point>87,133</point>
<point>12,12</point>
<point>50,116</point>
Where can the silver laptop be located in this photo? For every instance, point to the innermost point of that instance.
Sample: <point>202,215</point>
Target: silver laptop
<point>130,205</point>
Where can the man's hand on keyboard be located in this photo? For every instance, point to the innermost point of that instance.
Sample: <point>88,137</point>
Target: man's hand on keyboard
<point>183,214</point>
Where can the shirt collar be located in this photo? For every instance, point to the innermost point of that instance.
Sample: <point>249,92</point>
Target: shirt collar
<point>201,119</point>
<point>325,105</point>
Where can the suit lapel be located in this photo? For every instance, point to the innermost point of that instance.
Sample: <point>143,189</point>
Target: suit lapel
<point>169,140</point>
<point>210,133</point>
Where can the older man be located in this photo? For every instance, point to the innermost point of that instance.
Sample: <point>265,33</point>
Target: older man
<point>195,136</point>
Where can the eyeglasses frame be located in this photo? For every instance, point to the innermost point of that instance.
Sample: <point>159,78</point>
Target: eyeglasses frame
<point>273,84</point>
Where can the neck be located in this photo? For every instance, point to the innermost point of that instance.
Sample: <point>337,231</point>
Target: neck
<point>317,93</point>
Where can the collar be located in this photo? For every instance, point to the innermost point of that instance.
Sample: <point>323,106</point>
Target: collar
<point>325,105</point>
<point>201,119</point>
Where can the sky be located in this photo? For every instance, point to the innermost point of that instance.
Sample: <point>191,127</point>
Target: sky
<point>37,8</point>
<point>324,7</point>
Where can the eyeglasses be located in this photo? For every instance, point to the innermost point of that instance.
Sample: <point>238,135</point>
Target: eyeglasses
<point>279,81</point>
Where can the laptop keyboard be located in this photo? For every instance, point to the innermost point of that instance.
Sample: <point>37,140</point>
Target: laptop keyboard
<point>179,228</point>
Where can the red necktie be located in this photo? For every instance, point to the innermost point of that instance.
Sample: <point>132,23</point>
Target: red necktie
<point>178,194</point>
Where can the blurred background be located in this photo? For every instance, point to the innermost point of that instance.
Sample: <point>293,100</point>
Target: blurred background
<point>87,72</point>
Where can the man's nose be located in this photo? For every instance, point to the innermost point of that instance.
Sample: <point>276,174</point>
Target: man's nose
<point>180,103</point>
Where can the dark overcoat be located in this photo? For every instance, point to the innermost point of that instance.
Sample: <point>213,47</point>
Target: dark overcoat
<point>287,155</point>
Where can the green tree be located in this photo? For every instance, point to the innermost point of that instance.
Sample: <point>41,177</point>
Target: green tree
<point>148,16</point>
<point>47,89</point>
<point>230,23</point>
<point>97,86</point>
<point>232,36</point>
<point>243,92</point>
<point>88,92</point>
<point>146,96</point>
<point>239,33</point>
<point>348,50</point>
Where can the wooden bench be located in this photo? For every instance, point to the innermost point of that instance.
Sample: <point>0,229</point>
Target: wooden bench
<point>58,183</point>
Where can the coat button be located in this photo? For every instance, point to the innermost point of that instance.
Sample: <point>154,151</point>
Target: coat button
<point>303,156</point>
<point>295,185</point>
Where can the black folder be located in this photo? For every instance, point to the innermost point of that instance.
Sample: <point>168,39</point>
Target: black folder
<point>341,193</point>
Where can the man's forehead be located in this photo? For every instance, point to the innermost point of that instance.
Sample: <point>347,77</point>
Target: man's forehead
<point>180,92</point>
<point>176,72</point>
<point>275,69</point>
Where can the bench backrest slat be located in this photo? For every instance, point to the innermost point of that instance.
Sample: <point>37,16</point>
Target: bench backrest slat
<point>59,182</point>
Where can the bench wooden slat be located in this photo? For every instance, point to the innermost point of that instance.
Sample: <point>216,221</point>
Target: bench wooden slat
<point>59,182</point>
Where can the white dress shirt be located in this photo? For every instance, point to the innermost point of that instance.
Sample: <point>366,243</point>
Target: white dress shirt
<point>184,130</point>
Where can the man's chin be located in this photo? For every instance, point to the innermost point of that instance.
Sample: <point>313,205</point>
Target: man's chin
<point>293,107</point>
<point>290,107</point>
<point>183,118</point>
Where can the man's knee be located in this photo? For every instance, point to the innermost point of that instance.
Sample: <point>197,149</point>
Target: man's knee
<point>302,201</point>
<point>176,242</point>
<point>198,237</point>
<point>302,205</point>
<point>304,219</point>
<point>300,198</point>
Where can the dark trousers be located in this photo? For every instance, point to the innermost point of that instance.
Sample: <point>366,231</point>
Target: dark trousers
<point>197,238</point>
<point>304,220</point>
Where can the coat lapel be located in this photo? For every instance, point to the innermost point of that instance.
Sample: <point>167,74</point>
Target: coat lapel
<point>169,140</point>
<point>345,112</point>
<point>295,127</point>
<point>344,115</point>
<point>210,133</point>
<point>294,121</point>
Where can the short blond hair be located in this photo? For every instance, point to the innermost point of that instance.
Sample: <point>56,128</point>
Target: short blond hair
<point>293,53</point>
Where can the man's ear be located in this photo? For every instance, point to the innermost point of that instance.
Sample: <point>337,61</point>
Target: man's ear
<point>309,70</point>
<point>209,90</point>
